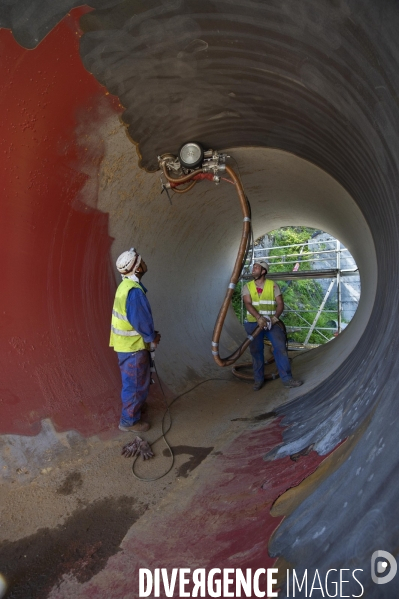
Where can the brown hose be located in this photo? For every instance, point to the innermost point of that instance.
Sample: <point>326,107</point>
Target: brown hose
<point>250,377</point>
<point>246,229</point>
<point>190,186</point>
<point>233,281</point>
<point>182,179</point>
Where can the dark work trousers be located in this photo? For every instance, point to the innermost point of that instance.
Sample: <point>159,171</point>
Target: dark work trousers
<point>136,377</point>
<point>276,337</point>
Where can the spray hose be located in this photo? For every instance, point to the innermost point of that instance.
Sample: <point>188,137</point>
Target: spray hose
<point>191,179</point>
<point>238,266</point>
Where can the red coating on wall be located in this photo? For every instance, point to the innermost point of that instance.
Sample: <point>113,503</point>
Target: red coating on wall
<point>57,280</point>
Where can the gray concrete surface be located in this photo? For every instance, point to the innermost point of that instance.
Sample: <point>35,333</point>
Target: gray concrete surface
<point>316,82</point>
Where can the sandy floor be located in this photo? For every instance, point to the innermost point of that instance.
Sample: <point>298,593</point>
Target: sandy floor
<point>91,496</point>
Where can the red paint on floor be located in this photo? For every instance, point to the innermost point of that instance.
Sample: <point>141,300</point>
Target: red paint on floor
<point>57,281</point>
<point>223,521</point>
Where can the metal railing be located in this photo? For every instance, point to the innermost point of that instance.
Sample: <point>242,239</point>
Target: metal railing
<point>304,254</point>
<point>313,255</point>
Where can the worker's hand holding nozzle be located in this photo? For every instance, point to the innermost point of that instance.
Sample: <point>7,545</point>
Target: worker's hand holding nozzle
<point>264,322</point>
<point>156,340</point>
<point>153,347</point>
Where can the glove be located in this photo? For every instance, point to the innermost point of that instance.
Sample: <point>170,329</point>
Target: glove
<point>264,322</point>
<point>274,319</point>
<point>145,450</point>
<point>137,447</point>
<point>130,449</point>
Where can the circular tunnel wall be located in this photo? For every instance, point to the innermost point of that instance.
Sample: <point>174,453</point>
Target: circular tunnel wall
<point>317,80</point>
<point>190,246</point>
<point>313,80</point>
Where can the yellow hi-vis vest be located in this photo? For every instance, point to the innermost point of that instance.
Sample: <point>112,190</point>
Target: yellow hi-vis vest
<point>266,303</point>
<point>123,336</point>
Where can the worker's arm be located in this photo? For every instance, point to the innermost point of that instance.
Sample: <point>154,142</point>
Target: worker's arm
<point>140,316</point>
<point>279,306</point>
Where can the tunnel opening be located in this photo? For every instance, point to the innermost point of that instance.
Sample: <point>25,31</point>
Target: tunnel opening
<point>317,277</point>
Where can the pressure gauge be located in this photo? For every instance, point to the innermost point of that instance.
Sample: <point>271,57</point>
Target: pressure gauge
<point>191,155</point>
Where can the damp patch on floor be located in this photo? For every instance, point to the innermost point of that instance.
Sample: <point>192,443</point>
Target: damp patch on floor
<point>198,455</point>
<point>80,546</point>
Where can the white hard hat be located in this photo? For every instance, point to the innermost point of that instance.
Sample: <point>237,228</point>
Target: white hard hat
<point>128,260</point>
<point>263,264</point>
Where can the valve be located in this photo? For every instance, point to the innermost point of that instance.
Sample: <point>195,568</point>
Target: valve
<point>192,157</point>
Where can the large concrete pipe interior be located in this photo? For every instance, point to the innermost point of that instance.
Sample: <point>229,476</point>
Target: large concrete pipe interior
<point>194,242</point>
<point>303,95</point>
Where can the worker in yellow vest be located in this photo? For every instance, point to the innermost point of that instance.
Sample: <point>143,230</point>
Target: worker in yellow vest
<point>132,335</point>
<point>264,304</point>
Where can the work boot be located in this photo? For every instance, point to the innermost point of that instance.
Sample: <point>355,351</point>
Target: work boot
<point>137,427</point>
<point>258,385</point>
<point>292,383</point>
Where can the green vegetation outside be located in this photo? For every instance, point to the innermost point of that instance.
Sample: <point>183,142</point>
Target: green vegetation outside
<point>303,297</point>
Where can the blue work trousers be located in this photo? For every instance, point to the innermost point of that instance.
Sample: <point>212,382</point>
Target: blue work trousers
<point>276,337</point>
<point>136,378</point>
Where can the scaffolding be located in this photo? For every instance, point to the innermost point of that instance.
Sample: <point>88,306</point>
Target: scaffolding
<point>329,263</point>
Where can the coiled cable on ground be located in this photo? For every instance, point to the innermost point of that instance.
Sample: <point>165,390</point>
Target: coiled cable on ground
<point>167,411</point>
<point>164,432</point>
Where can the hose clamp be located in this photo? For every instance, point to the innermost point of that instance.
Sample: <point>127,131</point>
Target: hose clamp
<point>215,353</point>
<point>232,286</point>
<point>247,220</point>
<point>215,344</point>
<point>250,337</point>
